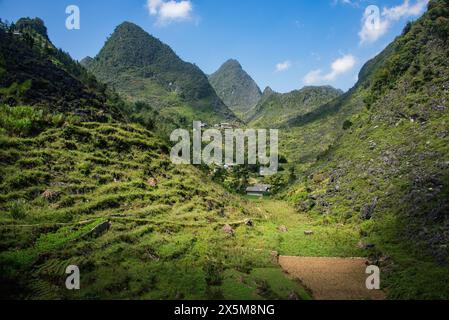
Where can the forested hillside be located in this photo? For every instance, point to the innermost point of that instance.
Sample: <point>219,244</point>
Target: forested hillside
<point>34,72</point>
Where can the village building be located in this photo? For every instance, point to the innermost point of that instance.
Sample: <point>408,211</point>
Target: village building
<point>258,190</point>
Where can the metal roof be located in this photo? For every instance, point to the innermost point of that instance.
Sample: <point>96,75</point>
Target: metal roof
<point>259,188</point>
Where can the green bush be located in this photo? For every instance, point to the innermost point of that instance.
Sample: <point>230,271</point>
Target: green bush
<point>15,91</point>
<point>347,125</point>
<point>17,210</point>
<point>213,272</point>
<point>21,120</point>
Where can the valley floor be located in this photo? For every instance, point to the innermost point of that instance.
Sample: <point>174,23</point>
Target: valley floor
<point>170,257</point>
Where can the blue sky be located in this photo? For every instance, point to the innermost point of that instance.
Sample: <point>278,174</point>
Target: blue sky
<point>284,44</point>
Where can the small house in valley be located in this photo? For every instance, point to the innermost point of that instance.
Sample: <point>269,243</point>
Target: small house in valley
<point>258,190</point>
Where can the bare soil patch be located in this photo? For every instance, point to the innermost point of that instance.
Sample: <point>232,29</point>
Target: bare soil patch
<point>332,278</point>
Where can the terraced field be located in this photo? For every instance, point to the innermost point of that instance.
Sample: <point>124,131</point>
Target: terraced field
<point>167,238</point>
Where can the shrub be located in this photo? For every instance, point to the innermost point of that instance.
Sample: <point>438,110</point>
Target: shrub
<point>15,91</point>
<point>213,272</point>
<point>17,210</point>
<point>21,120</point>
<point>347,125</point>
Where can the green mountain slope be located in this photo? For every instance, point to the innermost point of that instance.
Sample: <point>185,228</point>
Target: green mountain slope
<point>63,177</point>
<point>388,174</point>
<point>304,138</point>
<point>58,185</point>
<point>235,87</point>
<point>142,68</point>
<point>277,109</point>
<point>34,72</point>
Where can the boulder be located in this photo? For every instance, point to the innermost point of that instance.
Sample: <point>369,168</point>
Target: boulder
<point>152,182</point>
<point>228,230</point>
<point>308,232</point>
<point>379,260</point>
<point>365,246</point>
<point>50,194</point>
<point>283,229</point>
<point>293,296</point>
<point>100,229</point>
<point>438,107</point>
<point>249,223</point>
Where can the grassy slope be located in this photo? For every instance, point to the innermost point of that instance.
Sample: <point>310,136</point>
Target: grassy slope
<point>388,172</point>
<point>275,109</point>
<point>166,240</point>
<point>306,137</point>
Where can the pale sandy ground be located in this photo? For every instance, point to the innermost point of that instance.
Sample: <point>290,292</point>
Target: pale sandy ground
<point>332,278</point>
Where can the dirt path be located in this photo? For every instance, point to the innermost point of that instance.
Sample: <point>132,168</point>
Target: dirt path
<point>332,278</point>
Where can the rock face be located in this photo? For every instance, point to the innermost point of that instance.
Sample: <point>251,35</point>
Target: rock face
<point>235,87</point>
<point>86,62</point>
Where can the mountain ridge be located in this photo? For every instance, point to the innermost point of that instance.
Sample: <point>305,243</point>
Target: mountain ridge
<point>276,109</point>
<point>145,69</point>
<point>235,87</point>
<point>35,72</point>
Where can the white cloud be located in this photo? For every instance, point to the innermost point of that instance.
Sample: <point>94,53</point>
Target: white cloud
<point>354,3</point>
<point>170,11</point>
<point>153,6</point>
<point>340,66</point>
<point>283,66</point>
<point>405,10</point>
<point>376,24</point>
<point>314,77</point>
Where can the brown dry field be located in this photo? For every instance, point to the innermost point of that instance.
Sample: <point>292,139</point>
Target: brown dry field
<point>332,278</point>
